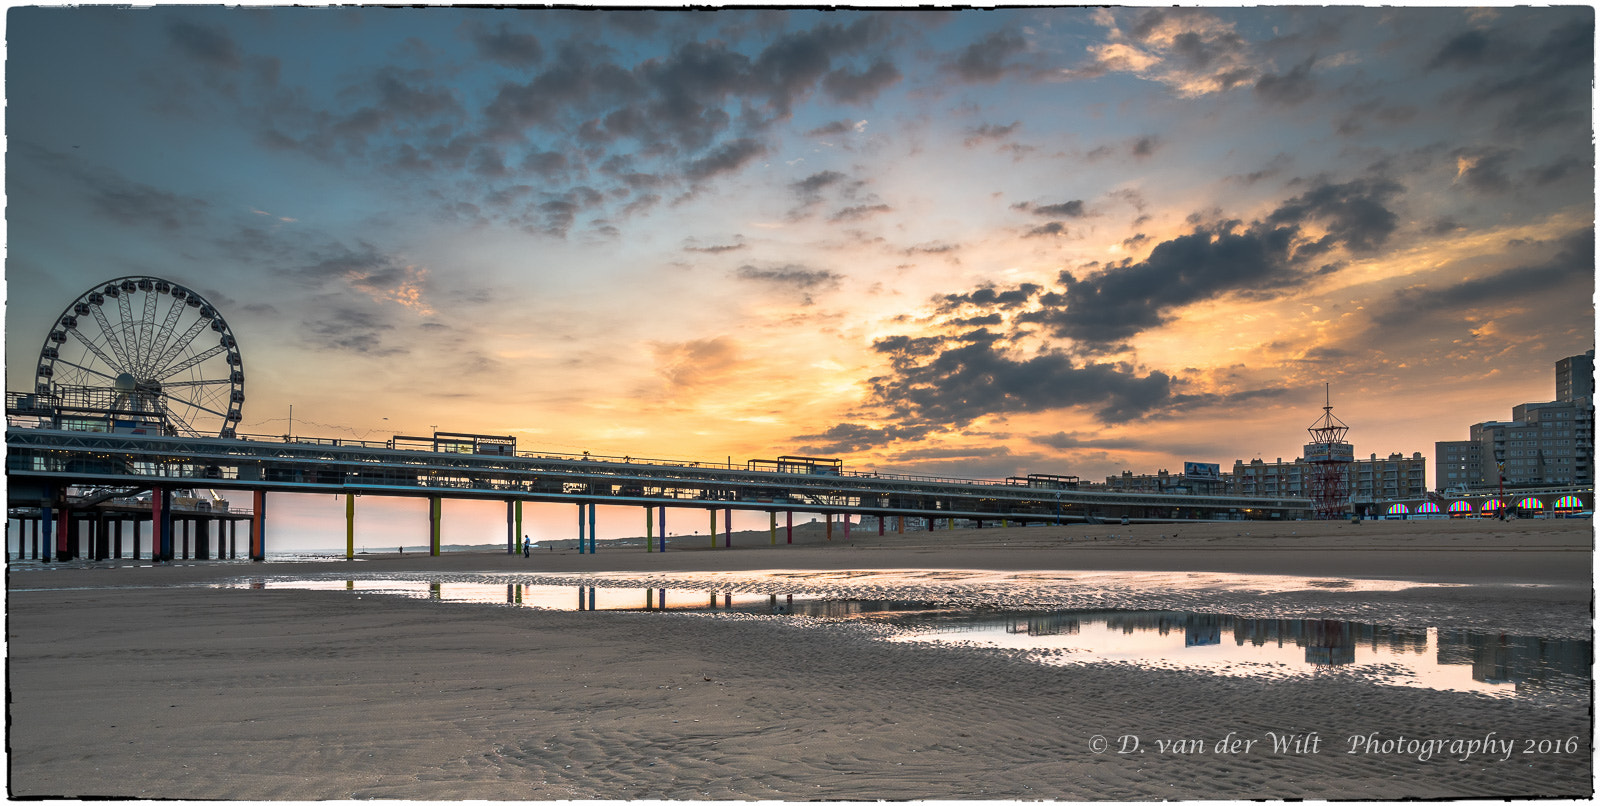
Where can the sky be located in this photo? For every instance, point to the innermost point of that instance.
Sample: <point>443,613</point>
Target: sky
<point>974,243</point>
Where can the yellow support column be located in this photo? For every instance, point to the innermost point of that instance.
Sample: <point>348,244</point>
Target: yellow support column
<point>949,524</point>
<point>520,535</point>
<point>713,528</point>
<point>349,526</point>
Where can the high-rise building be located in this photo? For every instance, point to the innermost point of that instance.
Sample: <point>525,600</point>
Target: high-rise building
<point>1575,378</point>
<point>1542,445</point>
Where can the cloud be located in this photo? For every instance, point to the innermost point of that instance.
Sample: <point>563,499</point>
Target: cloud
<point>989,296</point>
<point>726,158</point>
<point>1190,50</point>
<point>989,131</point>
<point>1066,209</point>
<point>1288,89</point>
<point>1483,169</point>
<point>690,365</point>
<point>987,61</point>
<point>138,204</point>
<point>854,87</point>
<point>207,45</point>
<point>855,437</point>
<point>858,212</point>
<point>797,278</point>
<point>1571,264</point>
<point>961,383</point>
<point>504,47</point>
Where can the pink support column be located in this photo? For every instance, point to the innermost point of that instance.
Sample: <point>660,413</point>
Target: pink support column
<point>880,526</point>
<point>847,526</point>
<point>727,528</point>
<point>790,528</point>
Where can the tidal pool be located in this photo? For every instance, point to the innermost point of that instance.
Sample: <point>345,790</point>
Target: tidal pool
<point>1492,664</point>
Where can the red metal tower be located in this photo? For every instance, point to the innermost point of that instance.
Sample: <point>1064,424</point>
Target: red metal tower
<point>1329,458</point>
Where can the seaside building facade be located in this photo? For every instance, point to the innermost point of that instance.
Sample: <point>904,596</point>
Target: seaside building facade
<point>1370,479</point>
<point>1542,445</point>
<point>1164,482</point>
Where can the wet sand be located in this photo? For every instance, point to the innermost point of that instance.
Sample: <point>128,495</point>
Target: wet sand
<point>136,682</point>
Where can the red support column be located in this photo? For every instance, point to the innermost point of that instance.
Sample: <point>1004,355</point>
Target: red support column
<point>258,528</point>
<point>880,526</point>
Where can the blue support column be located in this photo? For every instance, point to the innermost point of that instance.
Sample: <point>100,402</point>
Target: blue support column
<point>46,523</point>
<point>582,546</point>
<point>592,546</point>
<point>663,530</point>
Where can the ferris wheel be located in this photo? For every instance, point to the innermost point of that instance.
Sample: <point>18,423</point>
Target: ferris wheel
<point>146,349</point>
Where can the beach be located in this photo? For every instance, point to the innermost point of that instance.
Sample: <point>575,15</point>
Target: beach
<point>144,682</point>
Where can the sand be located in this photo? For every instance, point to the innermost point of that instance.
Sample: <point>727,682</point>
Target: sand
<point>140,682</point>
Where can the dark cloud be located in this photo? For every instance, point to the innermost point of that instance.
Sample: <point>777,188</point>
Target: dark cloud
<point>859,212</point>
<point>990,297</point>
<point>347,329</point>
<point>207,45</point>
<point>715,249</point>
<point>961,383</point>
<point>1562,169</point>
<point>854,87</point>
<point>1065,441</point>
<point>1570,269</point>
<point>1484,169</point>
<point>726,158</point>
<point>989,131</point>
<point>798,278</point>
<point>1066,209</point>
<point>1355,213</point>
<point>1539,85</point>
<point>138,204</point>
<point>810,188</point>
<point>1144,146</point>
<point>1117,303</point>
<point>986,61</point>
<point>854,437</point>
<point>836,127</point>
<point>1050,230</point>
<point>502,46</point>
<point>1287,89</point>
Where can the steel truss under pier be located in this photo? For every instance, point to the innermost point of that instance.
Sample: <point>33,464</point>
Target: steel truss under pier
<point>41,460</point>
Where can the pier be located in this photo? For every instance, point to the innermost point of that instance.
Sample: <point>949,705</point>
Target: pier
<point>43,463</point>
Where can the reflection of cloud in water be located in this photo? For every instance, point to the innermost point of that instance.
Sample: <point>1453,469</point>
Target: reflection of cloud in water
<point>1012,611</point>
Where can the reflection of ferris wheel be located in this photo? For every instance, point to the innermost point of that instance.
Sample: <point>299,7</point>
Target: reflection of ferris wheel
<point>144,347</point>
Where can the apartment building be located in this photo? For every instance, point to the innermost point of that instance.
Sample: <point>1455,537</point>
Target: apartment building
<point>1542,445</point>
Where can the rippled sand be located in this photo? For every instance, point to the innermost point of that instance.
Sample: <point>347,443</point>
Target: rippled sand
<point>143,682</point>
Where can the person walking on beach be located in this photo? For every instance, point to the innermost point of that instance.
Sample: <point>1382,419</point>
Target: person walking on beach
<point>527,546</point>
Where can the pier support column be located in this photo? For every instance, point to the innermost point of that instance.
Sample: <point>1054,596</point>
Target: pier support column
<point>188,524</point>
<point>202,538</point>
<point>349,526</point>
<point>46,521</point>
<point>134,554</point>
<point>258,530</point>
<point>649,532</point>
<point>949,524</point>
<point>593,536</point>
<point>880,526</point>
<point>512,531</point>
<point>519,519</point>
<point>663,530</point>
<point>435,516</point>
<point>902,527</point>
<point>713,512</point>
<point>930,524</point>
<point>772,527</point>
<point>583,546</point>
<point>116,539</point>
<point>63,535</point>
<point>727,528</point>
<point>165,495</point>
<point>233,532</point>
<point>789,527</point>
<point>828,518</point>
<point>846,526</point>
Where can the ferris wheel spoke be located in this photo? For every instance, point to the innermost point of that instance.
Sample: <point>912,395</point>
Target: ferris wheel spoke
<point>165,334</point>
<point>213,382</point>
<point>146,328</point>
<point>195,405</point>
<point>183,341</point>
<point>192,361</point>
<point>111,336</point>
<point>94,349</point>
<point>85,369</point>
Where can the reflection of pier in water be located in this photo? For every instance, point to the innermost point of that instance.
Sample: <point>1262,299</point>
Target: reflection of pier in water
<point>1529,663</point>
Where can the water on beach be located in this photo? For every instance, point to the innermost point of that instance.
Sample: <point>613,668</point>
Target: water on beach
<point>1492,664</point>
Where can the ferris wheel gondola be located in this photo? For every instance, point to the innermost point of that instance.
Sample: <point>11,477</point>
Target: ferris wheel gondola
<point>150,349</point>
